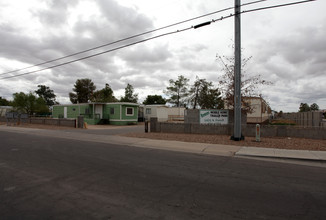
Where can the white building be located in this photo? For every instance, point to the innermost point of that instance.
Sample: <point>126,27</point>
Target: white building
<point>260,110</point>
<point>4,110</point>
<point>163,112</point>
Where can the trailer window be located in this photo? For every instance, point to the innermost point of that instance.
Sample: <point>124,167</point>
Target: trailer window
<point>130,111</point>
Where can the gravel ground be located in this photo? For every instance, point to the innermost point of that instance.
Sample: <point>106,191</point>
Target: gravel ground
<point>272,142</point>
<point>281,143</point>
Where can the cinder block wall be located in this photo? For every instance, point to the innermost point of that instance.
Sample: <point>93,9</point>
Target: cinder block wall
<point>306,119</point>
<point>191,116</point>
<point>45,121</point>
<point>247,130</point>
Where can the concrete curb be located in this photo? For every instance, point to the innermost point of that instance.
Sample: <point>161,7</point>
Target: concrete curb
<point>282,153</point>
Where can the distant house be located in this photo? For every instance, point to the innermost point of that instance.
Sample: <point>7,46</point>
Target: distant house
<point>117,113</point>
<point>261,111</point>
<point>4,110</point>
<point>163,112</point>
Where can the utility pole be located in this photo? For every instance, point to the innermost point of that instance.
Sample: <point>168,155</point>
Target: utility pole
<point>237,136</point>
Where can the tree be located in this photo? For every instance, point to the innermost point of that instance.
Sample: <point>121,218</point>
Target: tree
<point>104,95</point>
<point>314,107</point>
<point>210,98</point>
<point>129,95</point>
<point>204,95</point>
<point>249,84</point>
<point>304,107</point>
<point>47,95</point>
<point>154,99</point>
<point>29,103</point>
<point>83,91</point>
<point>4,102</point>
<point>178,91</point>
<point>195,91</point>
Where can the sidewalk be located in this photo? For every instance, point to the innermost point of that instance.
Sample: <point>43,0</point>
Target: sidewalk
<point>227,150</point>
<point>190,147</point>
<point>282,153</point>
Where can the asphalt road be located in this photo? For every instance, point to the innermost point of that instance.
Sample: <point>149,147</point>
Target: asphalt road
<point>53,178</point>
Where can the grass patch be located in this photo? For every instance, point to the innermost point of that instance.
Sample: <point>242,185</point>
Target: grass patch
<point>282,122</point>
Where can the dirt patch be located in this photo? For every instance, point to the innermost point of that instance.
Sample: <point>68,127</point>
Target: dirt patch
<point>281,143</point>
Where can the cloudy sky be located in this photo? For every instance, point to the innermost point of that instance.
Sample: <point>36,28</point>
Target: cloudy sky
<point>287,45</point>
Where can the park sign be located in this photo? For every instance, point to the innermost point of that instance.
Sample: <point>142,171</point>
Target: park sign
<point>213,116</point>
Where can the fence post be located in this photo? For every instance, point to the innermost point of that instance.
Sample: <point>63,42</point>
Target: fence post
<point>257,132</point>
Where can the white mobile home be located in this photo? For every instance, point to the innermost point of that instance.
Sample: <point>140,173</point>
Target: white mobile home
<point>163,112</point>
<point>4,110</point>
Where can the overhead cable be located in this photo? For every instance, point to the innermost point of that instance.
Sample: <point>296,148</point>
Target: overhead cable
<point>128,38</point>
<point>276,6</point>
<point>158,36</point>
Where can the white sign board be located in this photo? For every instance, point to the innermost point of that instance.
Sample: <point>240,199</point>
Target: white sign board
<point>213,116</point>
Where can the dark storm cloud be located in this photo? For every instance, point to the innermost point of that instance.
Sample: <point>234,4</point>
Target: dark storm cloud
<point>198,66</point>
<point>293,58</point>
<point>119,21</point>
<point>299,53</point>
<point>116,22</point>
<point>125,20</point>
<point>113,23</point>
<point>16,46</point>
<point>142,55</point>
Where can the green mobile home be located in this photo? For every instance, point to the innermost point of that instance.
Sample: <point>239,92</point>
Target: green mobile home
<point>117,113</point>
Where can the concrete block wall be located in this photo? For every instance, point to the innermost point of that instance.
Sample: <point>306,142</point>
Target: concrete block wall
<point>287,131</point>
<point>52,122</point>
<point>44,121</point>
<point>323,123</point>
<point>166,127</point>
<point>172,127</point>
<point>67,122</point>
<point>192,116</point>
<point>37,121</point>
<point>247,130</point>
<point>210,129</point>
<point>306,119</point>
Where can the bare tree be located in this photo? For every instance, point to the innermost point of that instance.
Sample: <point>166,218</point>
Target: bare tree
<point>249,84</point>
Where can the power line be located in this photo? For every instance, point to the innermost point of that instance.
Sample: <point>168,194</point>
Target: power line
<point>128,38</point>
<point>118,48</point>
<point>276,6</point>
<point>97,54</point>
<point>250,3</point>
<point>118,41</point>
<point>158,36</point>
